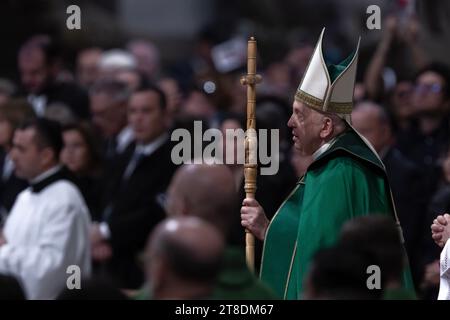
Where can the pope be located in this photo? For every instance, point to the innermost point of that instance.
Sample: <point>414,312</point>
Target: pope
<point>346,178</point>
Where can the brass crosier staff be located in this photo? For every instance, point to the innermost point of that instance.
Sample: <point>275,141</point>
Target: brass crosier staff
<point>250,167</point>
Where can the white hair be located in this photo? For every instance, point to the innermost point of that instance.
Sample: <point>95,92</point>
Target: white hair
<point>117,59</point>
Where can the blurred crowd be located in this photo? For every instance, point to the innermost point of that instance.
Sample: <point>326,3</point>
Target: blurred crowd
<point>158,231</point>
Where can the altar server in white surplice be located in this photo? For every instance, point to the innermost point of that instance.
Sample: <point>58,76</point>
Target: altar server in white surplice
<point>48,227</point>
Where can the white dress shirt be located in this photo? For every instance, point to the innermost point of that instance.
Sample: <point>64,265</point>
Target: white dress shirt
<point>39,103</point>
<point>124,138</point>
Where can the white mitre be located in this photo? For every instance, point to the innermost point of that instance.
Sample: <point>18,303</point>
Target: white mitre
<point>329,88</point>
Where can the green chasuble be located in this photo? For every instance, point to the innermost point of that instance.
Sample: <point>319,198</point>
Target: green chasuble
<point>345,181</point>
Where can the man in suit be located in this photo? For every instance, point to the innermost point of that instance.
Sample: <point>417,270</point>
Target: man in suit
<point>134,193</point>
<point>404,176</point>
<point>38,61</point>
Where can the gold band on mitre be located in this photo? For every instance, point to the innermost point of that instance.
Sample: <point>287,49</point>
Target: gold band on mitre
<point>318,104</point>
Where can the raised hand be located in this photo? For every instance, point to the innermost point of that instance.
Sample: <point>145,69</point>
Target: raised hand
<point>440,229</point>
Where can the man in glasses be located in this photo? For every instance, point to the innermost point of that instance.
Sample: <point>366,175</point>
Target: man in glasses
<point>428,137</point>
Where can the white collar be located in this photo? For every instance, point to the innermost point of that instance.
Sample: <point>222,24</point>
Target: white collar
<point>323,148</point>
<point>46,174</point>
<point>149,148</point>
<point>123,139</point>
<point>8,167</point>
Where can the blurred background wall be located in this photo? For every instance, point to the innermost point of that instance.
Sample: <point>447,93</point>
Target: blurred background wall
<point>177,26</point>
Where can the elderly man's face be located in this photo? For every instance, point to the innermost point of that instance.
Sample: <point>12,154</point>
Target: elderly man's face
<point>306,125</point>
<point>87,66</point>
<point>108,116</point>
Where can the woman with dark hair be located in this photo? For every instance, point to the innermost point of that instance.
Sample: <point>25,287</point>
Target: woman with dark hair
<point>81,155</point>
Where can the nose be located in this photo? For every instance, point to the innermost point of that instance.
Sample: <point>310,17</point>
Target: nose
<point>290,122</point>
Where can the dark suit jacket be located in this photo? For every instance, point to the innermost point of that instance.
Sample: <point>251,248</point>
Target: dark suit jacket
<point>136,209</point>
<point>406,181</point>
<point>69,94</point>
<point>425,151</point>
<point>75,97</point>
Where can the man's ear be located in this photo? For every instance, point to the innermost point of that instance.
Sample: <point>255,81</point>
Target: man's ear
<point>46,156</point>
<point>327,128</point>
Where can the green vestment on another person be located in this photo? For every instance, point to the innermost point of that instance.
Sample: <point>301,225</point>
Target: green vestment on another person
<point>345,181</point>
<point>237,282</point>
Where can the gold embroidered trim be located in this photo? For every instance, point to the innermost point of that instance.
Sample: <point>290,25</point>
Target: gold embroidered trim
<point>286,286</point>
<point>333,107</point>
<point>301,181</point>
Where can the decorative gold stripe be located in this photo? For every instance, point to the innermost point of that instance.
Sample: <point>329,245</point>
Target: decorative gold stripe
<point>310,100</point>
<point>301,181</point>
<point>333,107</point>
<point>290,271</point>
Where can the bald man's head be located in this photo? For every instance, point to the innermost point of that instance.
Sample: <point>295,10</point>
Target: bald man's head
<point>205,191</point>
<point>185,254</point>
<point>372,121</point>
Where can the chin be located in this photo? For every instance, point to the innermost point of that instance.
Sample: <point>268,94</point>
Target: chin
<point>20,175</point>
<point>139,137</point>
<point>303,152</point>
<point>299,148</point>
